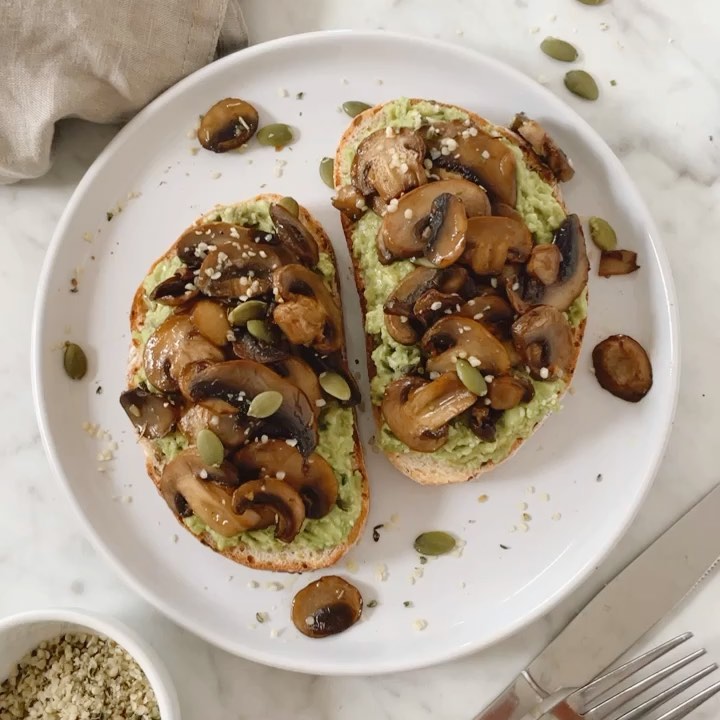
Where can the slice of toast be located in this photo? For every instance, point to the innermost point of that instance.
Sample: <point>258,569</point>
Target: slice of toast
<point>290,558</point>
<point>426,468</point>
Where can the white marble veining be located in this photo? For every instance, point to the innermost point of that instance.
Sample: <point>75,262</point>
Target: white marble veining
<point>661,118</point>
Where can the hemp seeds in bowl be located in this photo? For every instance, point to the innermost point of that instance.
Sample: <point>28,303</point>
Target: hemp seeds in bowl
<point>67,665</point>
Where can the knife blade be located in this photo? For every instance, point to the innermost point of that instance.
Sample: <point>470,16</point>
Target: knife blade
<point>621,613</point>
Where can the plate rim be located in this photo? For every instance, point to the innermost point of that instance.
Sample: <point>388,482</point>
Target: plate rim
<point>329,667</point>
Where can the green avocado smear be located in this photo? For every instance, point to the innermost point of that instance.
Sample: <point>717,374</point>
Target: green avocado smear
<point>336,424</point>
<point>542,214</point>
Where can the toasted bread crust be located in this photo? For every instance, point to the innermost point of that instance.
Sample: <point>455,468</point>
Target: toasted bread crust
<point>426,469</point>
<point>290,559</point>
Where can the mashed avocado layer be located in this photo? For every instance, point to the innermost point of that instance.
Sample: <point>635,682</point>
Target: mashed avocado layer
<point>336,425</point>
<point>543,215</point>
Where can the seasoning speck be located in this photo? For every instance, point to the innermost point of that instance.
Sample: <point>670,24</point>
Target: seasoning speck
<point>483,498</point>
<point>504,547</point>
<point>260,617</point>
<point>376,532</point>
<point>407,604</point>
<point>372,604</point>
<point>300,95</point>
<point>78,676</point>
<point>599,478</point>
<point>556,516</point>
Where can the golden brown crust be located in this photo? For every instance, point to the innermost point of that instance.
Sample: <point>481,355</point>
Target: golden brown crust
<point>427,470</point>
<point>289,560</point>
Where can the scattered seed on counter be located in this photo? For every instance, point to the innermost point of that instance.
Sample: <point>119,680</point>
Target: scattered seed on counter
<point>78,676</point>
<point>420,625</point>
<point>381,572</point>
<point>483,498</point>
<point>352,565</point>
<point>253,584</point>
<point>276,586</point>
<point>556,516</point>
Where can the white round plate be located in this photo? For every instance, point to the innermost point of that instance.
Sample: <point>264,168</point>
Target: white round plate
<point>582,475</point>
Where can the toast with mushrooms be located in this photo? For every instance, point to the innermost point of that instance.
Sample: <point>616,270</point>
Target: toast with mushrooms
<point>472,277</point>
<point>239,388</point>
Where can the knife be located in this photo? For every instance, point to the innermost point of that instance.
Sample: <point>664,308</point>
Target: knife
<point>621,613</point>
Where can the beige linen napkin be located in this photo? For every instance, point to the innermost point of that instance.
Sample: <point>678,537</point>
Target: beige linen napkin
<point>100,60</point>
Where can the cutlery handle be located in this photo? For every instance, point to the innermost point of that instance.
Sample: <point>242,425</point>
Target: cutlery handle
<point>515,701</point>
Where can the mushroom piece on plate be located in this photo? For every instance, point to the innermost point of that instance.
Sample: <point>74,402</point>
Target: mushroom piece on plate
<point>622,367</point>
<point>327,606</point>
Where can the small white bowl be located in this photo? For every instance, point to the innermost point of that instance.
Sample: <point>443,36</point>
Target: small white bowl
<point>21,633</point>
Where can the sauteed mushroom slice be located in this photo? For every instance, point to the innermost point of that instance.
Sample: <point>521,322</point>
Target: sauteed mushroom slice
<point>402,329</point>
<point>278,497</point>
<point>241,268</point>
<point>454,337</point>
<point>617,262</point>
<point>445,231</point>
<point>508,391</point>
<point>482,422</point>
<point>389,162</point>
<point>492,241</point>
<point>312,477</point>
<point>544,263</point>
<point>401,232</point>
<point>572,274</point>
<point>418,411</point>
<point>190,487</point>
<point>248,347</point>
<point>544,146</point>
<point>350,202</point>
<point>544,340</point>
<point>415,284</point>
<point>229,427</point>
<point>492,311</point>
<point>294,235</point>
<point>153,416</point>
<point>477,156</point>
<point>306,311</point>
<point>622,367</point>
<point>433,304</point>
<point>194,244</point>
<point>210,318</point>
<point>300,374</point>
<point>175,345</point>
<point>238,382</point>
<point>227,125</point>
<point>175,290</point>
<point>327,606</point>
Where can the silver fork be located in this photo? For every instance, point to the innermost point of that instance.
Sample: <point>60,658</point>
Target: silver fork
<point>589,703</point>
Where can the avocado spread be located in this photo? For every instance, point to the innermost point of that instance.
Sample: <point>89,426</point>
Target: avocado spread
<point>542,214</point>
<point>336,424</point>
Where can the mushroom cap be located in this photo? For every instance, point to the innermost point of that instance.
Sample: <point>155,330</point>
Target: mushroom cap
<point>572,274</point>
<point>327,606</point>
<point>210,318</point>
<point>312,477</point>
<point>300,374</point>
<point>232,429</point>
<point>476,156</point>
<point>389,164</point>
<point>175,290</point>
<point>492,241</point>
<point>400,235</point>
<point>454,337</point>
<point>227,125</point>
<point>418,411</point>
<point>238,382</point>
<point>622,367</point>
<point>271,494</point>
<point>445,231</point>
<point>174,346</point>
<point>544,339</point>
<point>306,312</point>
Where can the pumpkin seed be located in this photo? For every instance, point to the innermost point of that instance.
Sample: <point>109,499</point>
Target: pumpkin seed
<point>354,107</point>
<point>265,404</point>
<point>435,542</point>
<point>582,84</point>
<point>327,169</point>
<point>74,361</point>
<point>602,233</point>
<point>558,49</point>
<point>250,310</point>
<point>276,135</point>
<point>592,2</point>
<point>290,204</point>
<point>335,384</point>
<point>261,330</point>
<point>471,377</point>
<point>210,447</point>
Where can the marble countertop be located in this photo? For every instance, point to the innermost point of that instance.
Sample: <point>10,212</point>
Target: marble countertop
<point>662,118</point>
